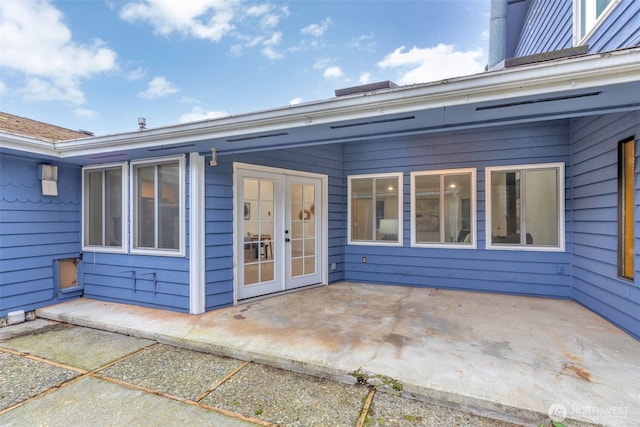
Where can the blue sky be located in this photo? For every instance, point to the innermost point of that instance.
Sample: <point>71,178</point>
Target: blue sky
<point>99,65</point>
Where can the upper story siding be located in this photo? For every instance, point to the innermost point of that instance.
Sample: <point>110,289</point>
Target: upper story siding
<point>548,26</point>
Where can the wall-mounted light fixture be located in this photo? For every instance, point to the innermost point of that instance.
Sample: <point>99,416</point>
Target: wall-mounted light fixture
<point>48,175</point>
<point>214,157</point>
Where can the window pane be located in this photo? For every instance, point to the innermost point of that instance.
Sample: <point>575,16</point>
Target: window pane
<point>169,206</point>
<point>94,208</point>
<point>146,218</point>
<point>505,207</point>
<point>541,207</point>
<point>387,208</point>
<point>362,209</point>
<point>113,211</point>
<point>457,208</point>
<point>626,206</point>
<point>427,207</point>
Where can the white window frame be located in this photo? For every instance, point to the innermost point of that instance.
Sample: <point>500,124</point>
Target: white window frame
<point>593,22</point>
<point>399,242</point>
<point>472,201</point>
<point>180,252</point>
<point>560,166</point>
<point>125,208</point>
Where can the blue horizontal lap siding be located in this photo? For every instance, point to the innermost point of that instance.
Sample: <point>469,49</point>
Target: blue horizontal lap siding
<point>219,211</point>
<point>619,30</point>
<point>515,272</point>
<point>110,277</point>
<point>594,175</point>
<point>548,26</point>
<point>35,230</point>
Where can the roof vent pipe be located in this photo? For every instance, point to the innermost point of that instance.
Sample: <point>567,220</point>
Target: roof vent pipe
<point>498,33</point>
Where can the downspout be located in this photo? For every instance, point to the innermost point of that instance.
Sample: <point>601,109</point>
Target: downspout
<point>498,33</point>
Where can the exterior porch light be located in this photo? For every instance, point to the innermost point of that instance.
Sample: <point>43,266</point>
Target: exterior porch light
<point>214,157</point>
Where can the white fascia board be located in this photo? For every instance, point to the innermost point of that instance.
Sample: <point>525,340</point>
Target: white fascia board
<point>27,144</point>
<point>615,67</point>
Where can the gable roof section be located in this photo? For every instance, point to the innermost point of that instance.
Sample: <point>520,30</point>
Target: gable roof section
<point>33,128</point>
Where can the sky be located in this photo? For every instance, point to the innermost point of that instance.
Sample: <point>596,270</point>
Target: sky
<point>100,65</point>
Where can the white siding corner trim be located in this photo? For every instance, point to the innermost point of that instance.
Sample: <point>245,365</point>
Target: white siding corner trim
<point>196,234</point>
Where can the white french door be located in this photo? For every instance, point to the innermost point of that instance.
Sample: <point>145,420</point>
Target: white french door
<point>279,231</point>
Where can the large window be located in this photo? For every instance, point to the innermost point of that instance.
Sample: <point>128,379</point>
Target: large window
<point>443,208</point>
<point>104,208</point>
<point>587,16</point>
<point>375,209</point>
<point>626,206</point>
<point>525,207</point>
<point>158,208</point>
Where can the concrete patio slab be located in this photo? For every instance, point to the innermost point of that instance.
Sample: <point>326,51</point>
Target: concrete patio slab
<point>508,357</point>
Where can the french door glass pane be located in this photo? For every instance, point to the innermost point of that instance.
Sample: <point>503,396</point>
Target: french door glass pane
<point>302,229</point>
<point>259,222</point>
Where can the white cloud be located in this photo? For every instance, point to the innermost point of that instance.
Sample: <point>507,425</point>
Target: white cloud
<point>317,30</point>
<point>364,42</point>
<point>364,78</point>
<point>420,65</point>
<point>85,113</point>
<point>37,43</point>
<point>203,19</point>
<point>271,53</point>
<point>137,74</point>
<point>199,113</point>
<point>295,101</point>
<point>159,87</point>
<point>249,25</point>
<point>334,72</point>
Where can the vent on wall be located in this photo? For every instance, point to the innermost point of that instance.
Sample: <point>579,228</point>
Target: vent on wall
<point>373,122</point>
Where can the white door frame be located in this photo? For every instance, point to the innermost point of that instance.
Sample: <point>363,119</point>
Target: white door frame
<point>324,180</point>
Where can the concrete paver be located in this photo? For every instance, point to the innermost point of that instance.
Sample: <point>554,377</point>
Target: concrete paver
<point>93,402</point>
<point>78,347</point>
<point>289,398</point>
<point>21,378</point>
<point>180,372</point>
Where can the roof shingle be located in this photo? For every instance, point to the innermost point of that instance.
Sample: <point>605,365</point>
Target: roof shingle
<point>33,128</point>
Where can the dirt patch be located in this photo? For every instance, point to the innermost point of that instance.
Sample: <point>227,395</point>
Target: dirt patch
<point>23,332</point>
